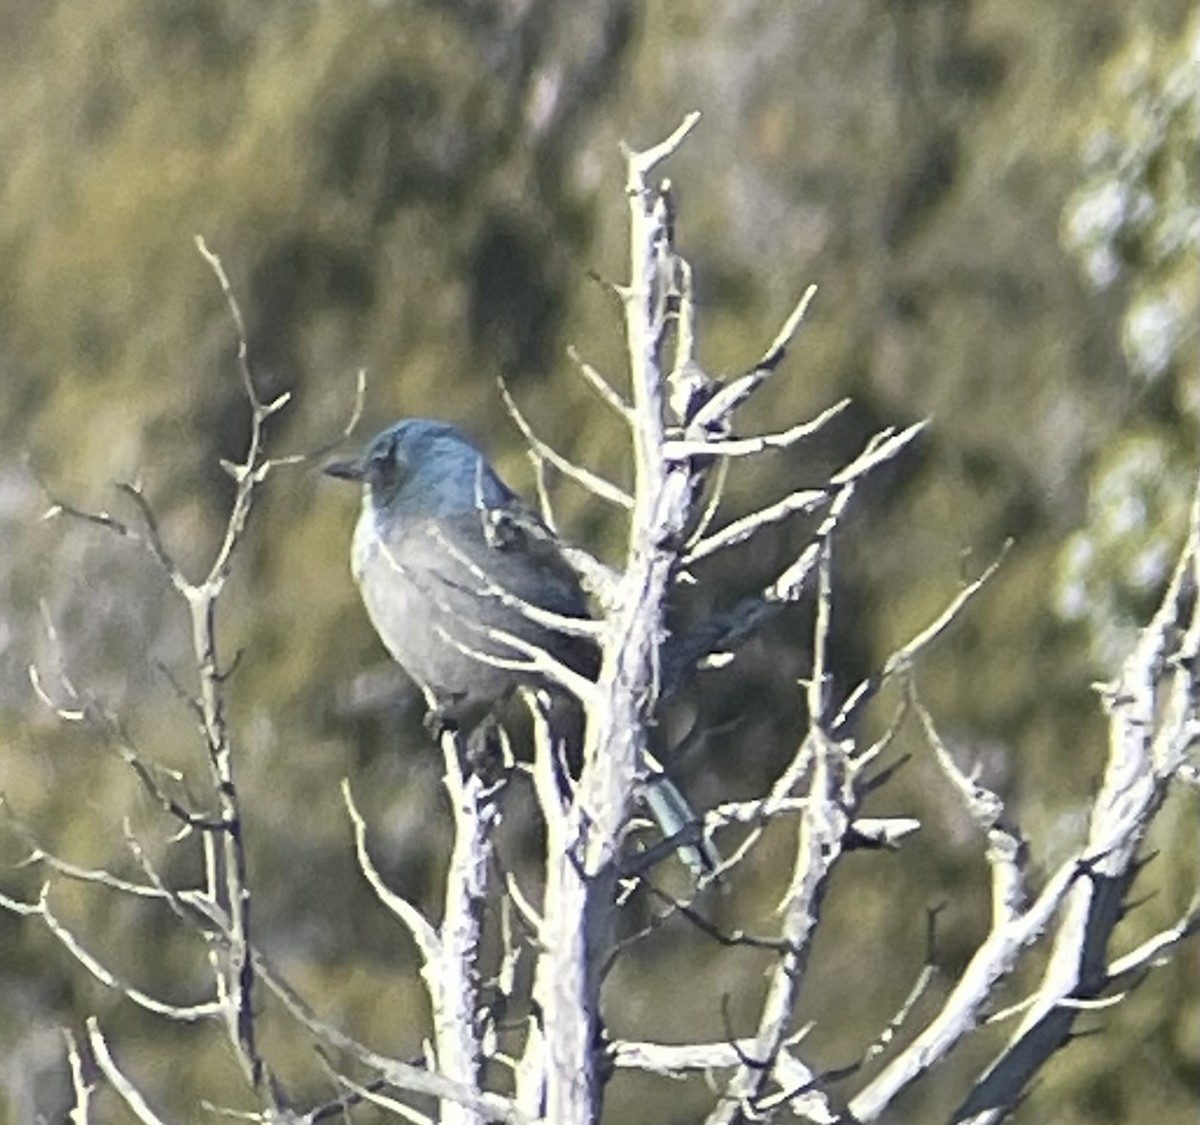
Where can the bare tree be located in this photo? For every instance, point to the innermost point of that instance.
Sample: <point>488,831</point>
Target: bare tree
<point>552,1064</point>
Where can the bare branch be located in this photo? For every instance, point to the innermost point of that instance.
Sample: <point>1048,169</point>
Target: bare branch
<point>962,1010</point>
<point>108,522</point>
<point>534,660</point>
<point>904,658</point>
<point>110,726</point>
<point>81,1086</point>
<point>402,1075</point>
<point>885,1038</point>
<point>40,855</point>
<point>153,538</point>
<point>374,1096</point>
<point>716,493</point>
<point>423,932</point>
<point>593,482</point>
<point>677,1060</point>
<point>773,356</point>
<point>1148,730</point>
<point>873,832</point>
<point>599,384</point>
<point>680,449</point>
<point>725,630</point>
<point>1006,848</point>
<point>41,909</point>
<point>728,939</point>
<point>722,405</point>
<point>1154,951</point>
<point>453,977</point>
<point>643,162</point>
<point>235,311</point>
<point>801,501</point>
<point>344,434</point>
<point>127,1091</point>
<point>820,830</point>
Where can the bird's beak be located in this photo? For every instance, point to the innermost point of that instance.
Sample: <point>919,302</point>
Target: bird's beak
<point>346,470</point>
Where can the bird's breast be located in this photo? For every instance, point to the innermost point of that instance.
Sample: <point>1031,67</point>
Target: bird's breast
<point>366,543</point>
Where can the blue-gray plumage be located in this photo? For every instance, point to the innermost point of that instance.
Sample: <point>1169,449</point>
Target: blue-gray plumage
<point>443,552</point>
<point>446,557</point>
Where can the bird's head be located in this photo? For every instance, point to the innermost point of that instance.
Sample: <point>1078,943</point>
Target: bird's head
<point>420,464</point>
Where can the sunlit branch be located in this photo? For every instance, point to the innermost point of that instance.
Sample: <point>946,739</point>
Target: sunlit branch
<point>593,482</point>
<point>599,384</point>
<point>423,932</point>
<point>679,449</point>
<point>128,1092</point>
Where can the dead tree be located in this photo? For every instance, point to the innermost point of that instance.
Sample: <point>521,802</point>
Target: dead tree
<point>683,433</point>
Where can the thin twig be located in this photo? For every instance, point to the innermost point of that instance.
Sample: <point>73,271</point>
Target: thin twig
<point>680,449</point>
<point>125,1089</point>
<point>733,394</point>
<point>81,1086</point>
<point>593,482</point>
<point>423,932</point>
<point>599,384</point>
<point>801,501</point>
<point>905,657</point>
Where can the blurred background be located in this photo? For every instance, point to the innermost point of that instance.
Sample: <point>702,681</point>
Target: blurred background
<point>998,200</point>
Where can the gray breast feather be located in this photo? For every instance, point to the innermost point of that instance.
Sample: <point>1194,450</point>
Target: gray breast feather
<point>426,587</point>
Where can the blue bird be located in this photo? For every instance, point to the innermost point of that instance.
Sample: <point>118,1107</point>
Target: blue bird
<point>444,552</point>
<point>447,558</point>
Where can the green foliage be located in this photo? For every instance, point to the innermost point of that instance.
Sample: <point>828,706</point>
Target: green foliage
<point>1134,221</point>
<point>1112,570</point>
<point>1134,225</point>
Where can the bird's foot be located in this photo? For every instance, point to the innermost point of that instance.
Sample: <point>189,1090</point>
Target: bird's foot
<point>439,723</point>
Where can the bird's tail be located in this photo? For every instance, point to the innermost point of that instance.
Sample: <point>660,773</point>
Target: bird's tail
<point>677,820</point>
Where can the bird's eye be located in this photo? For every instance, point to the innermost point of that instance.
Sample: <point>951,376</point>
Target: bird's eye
<point>387,465</point>
<point>383,454</point>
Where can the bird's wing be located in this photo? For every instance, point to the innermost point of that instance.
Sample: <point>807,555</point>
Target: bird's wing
<point>516,531</point>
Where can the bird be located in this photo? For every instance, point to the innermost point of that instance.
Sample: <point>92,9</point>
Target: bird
<point>461,579</point>
<point>441,549</point>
